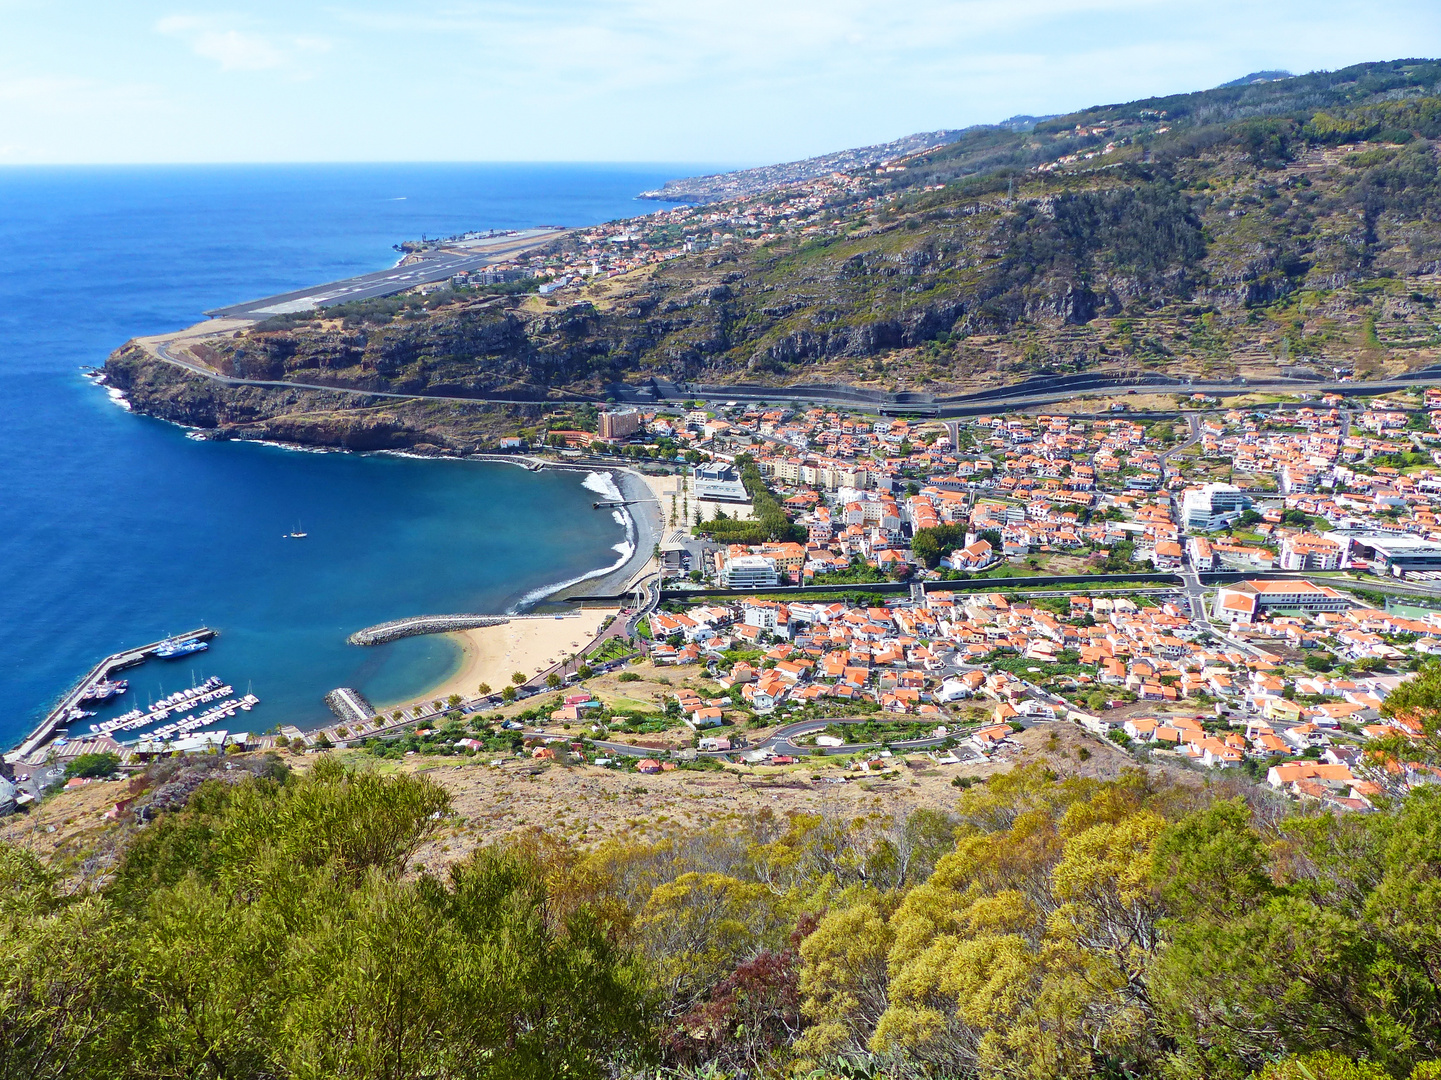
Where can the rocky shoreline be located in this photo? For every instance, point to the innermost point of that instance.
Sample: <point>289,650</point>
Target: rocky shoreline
<point>306,417</point>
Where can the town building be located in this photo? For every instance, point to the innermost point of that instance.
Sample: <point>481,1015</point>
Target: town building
<point>1395,553</point>
<point>1246,601</point>
<point>1307,552</point>
<point>749,572</point>
<point>1212,506</point>
<point>618,424</point>
<point>716,481</point>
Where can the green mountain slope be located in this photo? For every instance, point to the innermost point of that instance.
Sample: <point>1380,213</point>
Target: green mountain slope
<point>1231,232</point>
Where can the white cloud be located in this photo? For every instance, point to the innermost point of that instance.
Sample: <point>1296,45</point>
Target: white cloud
<point>235,49</point>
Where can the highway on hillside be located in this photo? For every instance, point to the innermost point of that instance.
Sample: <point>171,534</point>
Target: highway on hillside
<point>162,350</point>
<point>952,408</point>
<point>1000,402</point>
<point>429,268</point>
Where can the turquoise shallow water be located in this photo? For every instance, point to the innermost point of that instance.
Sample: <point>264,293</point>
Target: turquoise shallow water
<point>117,529</point>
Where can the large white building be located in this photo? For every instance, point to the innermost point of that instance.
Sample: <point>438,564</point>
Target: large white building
<point>1393,553</point>
<point>1306,552</point>
<point>1212,506</point>
<point>750,572</point>
<point>718,482</point>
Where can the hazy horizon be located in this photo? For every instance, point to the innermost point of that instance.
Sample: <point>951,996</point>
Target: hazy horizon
<point>619,81</point>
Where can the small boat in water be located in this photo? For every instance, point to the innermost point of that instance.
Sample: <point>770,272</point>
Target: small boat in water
<point>296,534</point>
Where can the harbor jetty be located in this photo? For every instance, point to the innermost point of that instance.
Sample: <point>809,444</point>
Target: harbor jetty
<point>68,707</point>
<point>350,705</point>
<point>437,624</point>
<point>422,624</point>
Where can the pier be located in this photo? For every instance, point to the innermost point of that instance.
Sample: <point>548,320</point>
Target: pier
<point>56,718</point>
<point>618,502</point>
<point>421,624</point>
<point>437,624</point>
<point>350,705</point>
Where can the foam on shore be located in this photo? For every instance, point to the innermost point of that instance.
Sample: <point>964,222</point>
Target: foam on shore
<point>603,484</point>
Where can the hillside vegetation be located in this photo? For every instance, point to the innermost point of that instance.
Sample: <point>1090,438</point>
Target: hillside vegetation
<point>1219,234</point>
<point>276,926</point>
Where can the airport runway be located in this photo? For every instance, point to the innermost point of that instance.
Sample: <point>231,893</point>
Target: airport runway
<point>438,266</point>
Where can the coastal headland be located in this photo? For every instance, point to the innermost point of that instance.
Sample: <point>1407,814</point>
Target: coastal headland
<point>1105,250</point>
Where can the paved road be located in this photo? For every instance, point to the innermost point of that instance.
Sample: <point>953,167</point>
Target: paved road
<point>436,267</point>
<point>1191,440</point>
<point>971,405</point>
<point>782,741</point>
<point>951,409</point>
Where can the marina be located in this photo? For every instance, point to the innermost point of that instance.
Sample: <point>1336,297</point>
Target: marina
<point>210,690</point>
<point>67,710</point>
<point>213,715</point>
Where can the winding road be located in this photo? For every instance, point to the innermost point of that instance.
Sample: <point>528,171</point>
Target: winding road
<point>963,405</point>
<point>162,351</point>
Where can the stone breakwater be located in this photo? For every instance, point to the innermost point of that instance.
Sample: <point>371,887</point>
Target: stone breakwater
<point>422,624</point>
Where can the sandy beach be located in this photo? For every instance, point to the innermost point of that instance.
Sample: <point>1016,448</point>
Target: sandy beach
<point>527,643</point>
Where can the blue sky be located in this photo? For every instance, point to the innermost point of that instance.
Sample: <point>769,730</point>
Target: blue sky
<point>739,82</point>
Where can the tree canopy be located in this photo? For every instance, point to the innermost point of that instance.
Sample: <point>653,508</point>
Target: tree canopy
<point>279,926</point>
<point>272,928</point>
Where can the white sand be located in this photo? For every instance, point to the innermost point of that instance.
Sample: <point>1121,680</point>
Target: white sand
<point>529,644</point>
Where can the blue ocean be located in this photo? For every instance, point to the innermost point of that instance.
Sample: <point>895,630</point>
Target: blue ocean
<point>116,530</point>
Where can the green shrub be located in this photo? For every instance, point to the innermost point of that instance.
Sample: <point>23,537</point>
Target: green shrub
<point>92,766</point>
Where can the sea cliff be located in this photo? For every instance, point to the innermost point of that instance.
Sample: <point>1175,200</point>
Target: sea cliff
<point>306,417</point>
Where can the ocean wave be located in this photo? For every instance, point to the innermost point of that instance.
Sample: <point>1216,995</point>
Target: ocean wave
<point>118,397</point>
<point>602,483</point>
<point>294,448</point>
